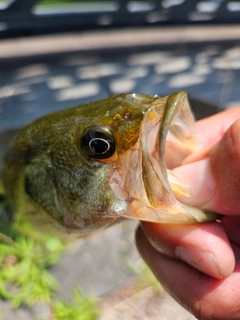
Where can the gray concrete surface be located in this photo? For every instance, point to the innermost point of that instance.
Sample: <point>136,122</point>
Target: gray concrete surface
<point>99,263</point>
<point>146,305</point>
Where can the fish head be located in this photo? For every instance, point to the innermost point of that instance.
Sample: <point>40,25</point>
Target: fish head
<point>94,165</point>
<point>126,146</point>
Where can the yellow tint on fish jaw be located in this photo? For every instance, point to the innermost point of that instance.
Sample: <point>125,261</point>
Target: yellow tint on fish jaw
<point>179,190</point>
<point>178,185</point>
<point>175,209</point>
<point>151,115</point>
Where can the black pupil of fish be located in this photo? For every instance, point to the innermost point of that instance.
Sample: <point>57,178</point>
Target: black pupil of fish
<point>99,145</point>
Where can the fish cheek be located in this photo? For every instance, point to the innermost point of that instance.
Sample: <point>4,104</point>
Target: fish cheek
<point>40,186</point>
<point>128,135</point>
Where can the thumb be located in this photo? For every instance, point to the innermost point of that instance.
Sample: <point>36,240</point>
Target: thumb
<point>214,180</point>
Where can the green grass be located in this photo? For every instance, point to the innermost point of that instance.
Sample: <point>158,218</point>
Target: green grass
<point>24,272</point>
<point>103,5</point>
<point>145,276</point>
<point>24,275</point>
<point>81,308</point>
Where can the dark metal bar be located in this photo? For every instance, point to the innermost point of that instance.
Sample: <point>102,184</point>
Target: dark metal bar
<point>21,6</point>
<point>19,19</point>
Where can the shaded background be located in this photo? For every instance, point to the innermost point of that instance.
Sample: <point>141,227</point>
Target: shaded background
<point>44,16</point>
<point>55,54</point>
<point>159,48</point>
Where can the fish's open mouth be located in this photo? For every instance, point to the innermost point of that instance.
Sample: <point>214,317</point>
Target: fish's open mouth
<point>154,170</point>
<point>143,187</point>
<point>171,119</point>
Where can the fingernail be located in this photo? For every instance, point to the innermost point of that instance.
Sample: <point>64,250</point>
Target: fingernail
<point>201,260</point>
<point>199,177</point>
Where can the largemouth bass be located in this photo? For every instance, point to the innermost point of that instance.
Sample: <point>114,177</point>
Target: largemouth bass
<point>93,165</point>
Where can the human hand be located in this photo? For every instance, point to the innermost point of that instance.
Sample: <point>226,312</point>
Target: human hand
<point>199,265</point>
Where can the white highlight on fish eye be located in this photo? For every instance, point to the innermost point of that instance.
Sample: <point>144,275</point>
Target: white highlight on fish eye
<point>93,149</point>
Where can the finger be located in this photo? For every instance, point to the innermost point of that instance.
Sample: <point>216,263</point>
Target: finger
<point>197,245</point>
<point>220,122</point>
<point>214,181</point>
<point>231,225</point>
<point>202,295</point>
<point>210,132</point>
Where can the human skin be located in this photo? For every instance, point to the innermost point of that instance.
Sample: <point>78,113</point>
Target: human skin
<point>199,265</point>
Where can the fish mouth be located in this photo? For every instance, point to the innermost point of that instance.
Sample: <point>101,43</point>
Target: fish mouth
<point>148,190</point>
<point>168,120</point>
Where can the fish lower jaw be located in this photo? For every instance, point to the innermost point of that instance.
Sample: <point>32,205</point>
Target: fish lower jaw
<point>175,214</point>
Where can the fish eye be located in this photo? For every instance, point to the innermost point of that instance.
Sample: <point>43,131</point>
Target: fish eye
<point>98,142</point>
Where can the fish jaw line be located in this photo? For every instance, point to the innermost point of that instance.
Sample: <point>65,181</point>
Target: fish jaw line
<point>156,185</point>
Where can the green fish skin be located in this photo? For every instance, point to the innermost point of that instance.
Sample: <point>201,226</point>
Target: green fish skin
<point>95,164</point>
